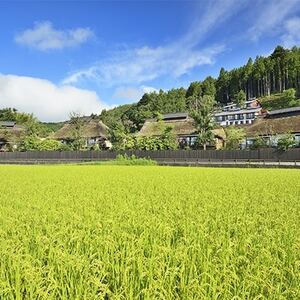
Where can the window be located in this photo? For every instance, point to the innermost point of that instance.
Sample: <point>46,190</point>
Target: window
<point>193,140</point>
<point>220,118</point>
<point>91,141</point>
<point>249,142</point>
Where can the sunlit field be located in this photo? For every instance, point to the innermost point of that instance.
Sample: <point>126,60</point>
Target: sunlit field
<point>148,232</point>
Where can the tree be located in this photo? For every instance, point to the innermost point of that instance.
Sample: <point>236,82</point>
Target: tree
<point>77,122</point>
<point>194,89</point>
<point>203,117</point>
<point>208,102</point>
<point>209,87</point>
<point>204,138</point>
<point>8,114</point>
<point>240,98</point>
<point>234,137</point>
<point>168,139</point>
<point>290,97</point>
<point>29,121</point>
<point>122,139</point>
<point>114,116</point>
<point>223,82</point>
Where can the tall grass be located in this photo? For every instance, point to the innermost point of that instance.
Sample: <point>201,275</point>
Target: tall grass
<point>125,160</point>
<point>84,232</point>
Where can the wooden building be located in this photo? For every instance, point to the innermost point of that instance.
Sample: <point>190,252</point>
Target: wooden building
<point>11,135</point>
<point>92,131</point>
<point>183,127</point>
<point>232,114</point>
<point>275,124</point>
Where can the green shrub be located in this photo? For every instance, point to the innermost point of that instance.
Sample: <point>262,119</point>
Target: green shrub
<point>258,143</point>
<point>33,143</point>
<point>49,145</point>
<point>133,160</point>
<point>234,137</point>
<point>286,142</point>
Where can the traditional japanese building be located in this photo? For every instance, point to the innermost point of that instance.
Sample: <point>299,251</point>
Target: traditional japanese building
<point>275,124</point>
<point>11,135</point>
<point>183,127</point>
<point>92,131</point>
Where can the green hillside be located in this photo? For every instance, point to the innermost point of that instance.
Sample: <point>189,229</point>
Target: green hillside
<point>277,101</point>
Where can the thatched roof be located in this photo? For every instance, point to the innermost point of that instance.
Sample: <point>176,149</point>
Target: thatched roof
<point>12,134</point>
<point>181,127</point>
<point>90,129</point>
<point>270,126</point>
<point>285,111</point>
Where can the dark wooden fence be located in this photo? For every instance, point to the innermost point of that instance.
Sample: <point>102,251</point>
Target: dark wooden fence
<point>167,155</point>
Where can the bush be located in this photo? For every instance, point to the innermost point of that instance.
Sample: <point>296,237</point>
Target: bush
<point>126,141</point>
<point>290,97</point>
<point>259,142</point>
<point>234,138</point>
<point>65,147</point>
<point>30,143</point>
<point>33,143</point>
<point>95,147</point>
<point>286,142</point>
<point>49,145</point>
<point>133,160</point>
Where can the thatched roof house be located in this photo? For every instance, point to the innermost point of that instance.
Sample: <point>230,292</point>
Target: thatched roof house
<point>183,127</point>
<point>276,123</point>
<point>11,134</point>
<point>93,131</point>
<point>271,126</point>
<point>90,129</point>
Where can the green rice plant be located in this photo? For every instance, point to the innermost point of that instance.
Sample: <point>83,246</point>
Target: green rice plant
<point>115,232</point>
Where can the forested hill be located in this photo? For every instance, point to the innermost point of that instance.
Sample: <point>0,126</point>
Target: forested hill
<point>264,76</point>
<point>259,78</point>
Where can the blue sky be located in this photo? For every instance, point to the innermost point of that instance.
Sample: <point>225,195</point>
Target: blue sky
<point>62,56</point>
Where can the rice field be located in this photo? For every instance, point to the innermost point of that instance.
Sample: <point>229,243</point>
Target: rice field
<point>119,232</point>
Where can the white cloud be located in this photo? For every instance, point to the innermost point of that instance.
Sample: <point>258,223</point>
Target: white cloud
<point>43,36</point>
<point>132,93</point>
<point>292,35</point>
<point>46,100</point>
<point>142,64</point>
<point>271,16</point>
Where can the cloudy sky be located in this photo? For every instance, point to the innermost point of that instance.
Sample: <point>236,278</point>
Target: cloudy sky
<point>62,56</point>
